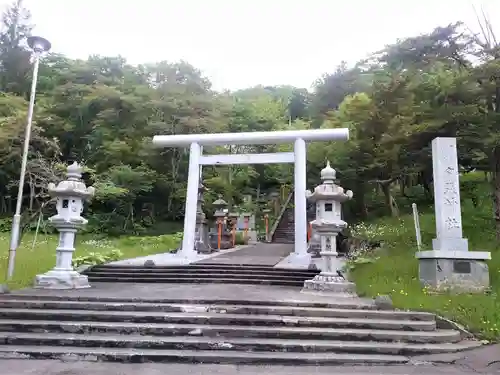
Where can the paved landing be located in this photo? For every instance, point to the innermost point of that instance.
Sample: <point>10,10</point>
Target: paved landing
<point>170,259</point>
<point>48,367</point>
<point>188,292</point>
<point>259,254</point>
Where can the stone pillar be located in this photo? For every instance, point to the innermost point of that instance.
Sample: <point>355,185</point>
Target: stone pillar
<point>187,250</point>
<point>70,195</point>
<point>267,224</point>
<point>202,244</point>
<point>450,265</point>
<point>300,258</point>
<point>328,224</point>
<point>300,199</point>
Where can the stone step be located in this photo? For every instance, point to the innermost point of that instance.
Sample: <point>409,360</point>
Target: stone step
<point>195,280</point>
<point>215,318</point>
<point>345,303</point>
<point>211,269</point>
<point>227,343</point>
<point>174,275</point>
<point>193,356</point>
<point>233,330</point>
<point>222,309</point>
<point>202,266</point>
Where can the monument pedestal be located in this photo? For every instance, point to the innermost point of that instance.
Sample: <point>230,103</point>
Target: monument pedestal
<point>461,271</point>
<point>201,242</point>
<point>314,247</point>
<point>61,279</point>
<point>203,248</point>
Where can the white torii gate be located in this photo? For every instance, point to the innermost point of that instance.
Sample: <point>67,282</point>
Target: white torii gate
<point>300,257</point>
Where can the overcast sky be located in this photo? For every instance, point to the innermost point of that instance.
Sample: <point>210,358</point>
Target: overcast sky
<point>240,43</point>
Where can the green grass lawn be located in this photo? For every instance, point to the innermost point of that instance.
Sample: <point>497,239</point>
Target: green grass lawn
<point>31,261</point>
<point>395,269</point>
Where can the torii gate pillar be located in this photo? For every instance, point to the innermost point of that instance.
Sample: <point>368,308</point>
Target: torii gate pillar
<point>299,258</point>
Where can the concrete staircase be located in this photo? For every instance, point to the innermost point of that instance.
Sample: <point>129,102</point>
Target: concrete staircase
<point>235,331</point>
<point>201,273</point>
<point>285,232</point>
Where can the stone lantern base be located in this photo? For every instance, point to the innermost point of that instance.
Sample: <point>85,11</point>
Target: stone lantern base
<point>203,248</point>
<point>330,284</point>
<point>56,279</point>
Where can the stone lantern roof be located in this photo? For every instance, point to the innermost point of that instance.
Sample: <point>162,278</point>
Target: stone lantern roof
<point>73,185</point>
<point>220,203</point>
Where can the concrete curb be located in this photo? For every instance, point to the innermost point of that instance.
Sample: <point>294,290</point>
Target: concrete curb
<point>444,323</point>
<point>4,289</point>
<point>83,268</point>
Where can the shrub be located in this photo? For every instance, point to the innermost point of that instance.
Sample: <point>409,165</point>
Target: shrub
<point>93,259</point>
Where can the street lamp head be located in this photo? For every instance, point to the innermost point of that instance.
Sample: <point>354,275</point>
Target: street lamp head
<point>39,44</point>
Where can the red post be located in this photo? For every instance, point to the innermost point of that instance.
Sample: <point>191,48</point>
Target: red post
<point>219,233</point>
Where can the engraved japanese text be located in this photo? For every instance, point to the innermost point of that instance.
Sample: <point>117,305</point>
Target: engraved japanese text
<point>452,223</point>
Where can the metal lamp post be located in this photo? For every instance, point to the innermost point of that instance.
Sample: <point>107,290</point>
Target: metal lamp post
<point>39,46</point>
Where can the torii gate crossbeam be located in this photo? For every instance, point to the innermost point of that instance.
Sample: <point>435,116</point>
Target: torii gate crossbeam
<point>299,258</point>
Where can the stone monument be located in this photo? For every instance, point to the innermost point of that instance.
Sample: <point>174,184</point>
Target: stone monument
<point>328,223</point>
<point>201,242</point>
<point>450,265</point>
<point>70,195</point>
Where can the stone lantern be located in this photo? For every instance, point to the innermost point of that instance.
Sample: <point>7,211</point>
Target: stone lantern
<point>328,224</point>
<point>274,197</point>
<point>247,218</point>
<point>220,207</point>
<point>70,195</point>
<point>201,243</point>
